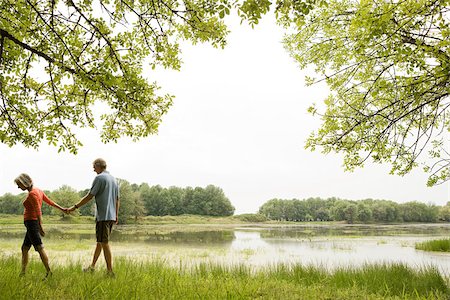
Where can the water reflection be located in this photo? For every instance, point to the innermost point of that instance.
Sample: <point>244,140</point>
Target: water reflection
<point>337,252</point>
<point>256,246</point>
<point>307,232</point>
<point>179,237</point>
<point>207,237</point>
<point>331,247</point>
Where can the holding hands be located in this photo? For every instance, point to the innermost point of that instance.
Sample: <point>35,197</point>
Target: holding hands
<point>71,209</point>
<point>68,210</point>
<point>82,202</point>
<point>63,209</point>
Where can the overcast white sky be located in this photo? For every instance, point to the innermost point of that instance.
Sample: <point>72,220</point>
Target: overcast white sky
<point>239,122</point>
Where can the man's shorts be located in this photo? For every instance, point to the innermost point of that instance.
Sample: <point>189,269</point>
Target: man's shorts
<point>32,237</point>
<point>103,230</point>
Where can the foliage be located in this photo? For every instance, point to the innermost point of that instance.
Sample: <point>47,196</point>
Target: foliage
<point>131,204</point>
<point>419,212</point>
<point>137,201</point>
<point>209,201</point>
<point>435,245</point>
<point>387,65</point>
<point>12,204</point>
<point>65,196</point>
<point>385,211</point>
<point>89,208</point>
<point>362,211</point>
<point>254,218</point>
<point>444,212</point>
<point>156,280</point>
<point>61,61</point>
<point>213,201</point>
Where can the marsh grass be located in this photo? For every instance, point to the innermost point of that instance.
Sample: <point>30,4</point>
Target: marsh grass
<point>441,245</point>
<point>156,280</point>
<point>7,219</point>
<point>247,252</point>
<point>162,220</point>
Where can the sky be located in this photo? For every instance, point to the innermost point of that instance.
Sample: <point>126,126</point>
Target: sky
<point>239,121</point>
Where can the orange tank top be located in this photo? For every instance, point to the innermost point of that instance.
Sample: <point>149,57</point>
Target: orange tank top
<point>33,204</point>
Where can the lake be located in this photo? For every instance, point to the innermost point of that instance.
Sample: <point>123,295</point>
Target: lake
<point>329,246</point>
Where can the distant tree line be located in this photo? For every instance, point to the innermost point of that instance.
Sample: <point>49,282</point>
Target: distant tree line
<point>361,211</point>
<point>136,201</point>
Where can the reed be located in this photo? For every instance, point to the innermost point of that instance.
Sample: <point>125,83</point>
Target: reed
<point>441,245</point>
<point>156,280</point>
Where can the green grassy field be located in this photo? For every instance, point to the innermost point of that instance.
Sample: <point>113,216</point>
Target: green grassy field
<point>442,245</point>
<point>184,219</point>
<point>155,280</point>
<point>6,219</point>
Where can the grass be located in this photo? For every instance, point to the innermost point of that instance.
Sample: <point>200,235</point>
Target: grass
<point>155,280</point>
<point>7,219</point>
<point>441,245</point>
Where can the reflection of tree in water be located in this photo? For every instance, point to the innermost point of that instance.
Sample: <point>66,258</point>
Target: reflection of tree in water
<point>355,230</point>
<point>218,237</point>
<point>198,237</point>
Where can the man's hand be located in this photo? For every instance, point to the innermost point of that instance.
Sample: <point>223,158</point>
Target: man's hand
<point>41,231</point>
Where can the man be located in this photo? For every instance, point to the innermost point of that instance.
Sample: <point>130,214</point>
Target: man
<point>106,193</point>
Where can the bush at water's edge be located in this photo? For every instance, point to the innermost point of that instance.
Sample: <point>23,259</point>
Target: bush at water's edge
<point>441,245</point>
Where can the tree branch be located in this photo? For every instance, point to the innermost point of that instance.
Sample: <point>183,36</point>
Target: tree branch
<point>49,59</point>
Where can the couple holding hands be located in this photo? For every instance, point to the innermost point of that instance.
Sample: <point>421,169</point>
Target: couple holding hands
<point>106,193</point>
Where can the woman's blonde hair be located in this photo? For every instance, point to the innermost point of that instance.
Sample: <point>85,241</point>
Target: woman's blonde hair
<point>24,179</point>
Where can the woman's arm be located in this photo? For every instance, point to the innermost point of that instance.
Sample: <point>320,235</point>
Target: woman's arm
<point>52,203</point>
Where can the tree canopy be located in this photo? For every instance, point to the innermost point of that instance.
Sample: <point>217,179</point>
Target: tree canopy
<point>136,201</point>
<point>360,211</point>
<point>387,64</point>
<point>59,58</point>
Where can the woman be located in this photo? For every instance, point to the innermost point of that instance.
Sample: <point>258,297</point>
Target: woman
<point>32,216</point>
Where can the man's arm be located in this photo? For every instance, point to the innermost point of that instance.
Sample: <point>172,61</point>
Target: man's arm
<point>83,201</point>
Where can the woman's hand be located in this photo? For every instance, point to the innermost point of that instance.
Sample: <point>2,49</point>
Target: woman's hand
<point>41,229</point>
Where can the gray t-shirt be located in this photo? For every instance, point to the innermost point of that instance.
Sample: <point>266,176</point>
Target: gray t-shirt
<point>106,192</point>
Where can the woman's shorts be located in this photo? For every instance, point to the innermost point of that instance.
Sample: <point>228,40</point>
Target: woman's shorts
<point>32,237</point>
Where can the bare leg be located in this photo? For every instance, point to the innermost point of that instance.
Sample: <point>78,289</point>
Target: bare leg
<point>98,250</point>
<point>108,256</point>
<point>24,259</point>
<point>44,257</point>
